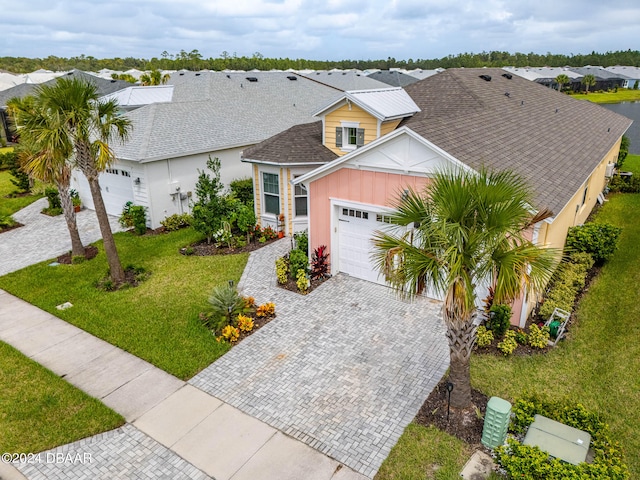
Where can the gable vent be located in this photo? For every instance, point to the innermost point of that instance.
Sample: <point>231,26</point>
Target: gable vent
<point>252,79</point>
<point>486,78</point>
<point>292,77</point>
<point>508,76</point>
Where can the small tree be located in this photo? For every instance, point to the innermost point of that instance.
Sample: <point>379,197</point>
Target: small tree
<point>245,220</point>
<point>588,80</point>
<point>561,80</point>
<point>20,177</point>
<point>211,206</point>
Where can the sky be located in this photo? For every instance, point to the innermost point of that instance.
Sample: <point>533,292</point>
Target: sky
<point>318,30</point>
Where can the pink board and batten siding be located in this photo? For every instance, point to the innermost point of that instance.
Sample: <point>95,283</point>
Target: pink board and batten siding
<point>362,186</point>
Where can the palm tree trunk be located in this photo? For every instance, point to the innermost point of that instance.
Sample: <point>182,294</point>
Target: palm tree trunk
<point>70,217</point>
<point>460,335</point>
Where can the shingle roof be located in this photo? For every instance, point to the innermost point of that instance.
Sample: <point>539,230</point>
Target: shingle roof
<point>237,113</point>
<point>393,78</point>
<point>345,80</point>
<point>299,144</point>
<point>555,142</point>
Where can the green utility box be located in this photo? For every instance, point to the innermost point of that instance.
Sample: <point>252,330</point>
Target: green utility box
<point>496,422</point>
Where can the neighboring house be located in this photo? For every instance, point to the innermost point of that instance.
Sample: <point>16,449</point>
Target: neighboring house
<point>547,76</point>
<point>469,118</point>
<point>211,114</point>
<point>394,78</point>
<point>137,96</point>
<point>345,79</point>
<point>605,79</point>
<point>630,75</point>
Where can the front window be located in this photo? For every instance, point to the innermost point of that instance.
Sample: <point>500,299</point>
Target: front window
<point>352,136</point>
<point>300,195</point>
<point>271,189</point>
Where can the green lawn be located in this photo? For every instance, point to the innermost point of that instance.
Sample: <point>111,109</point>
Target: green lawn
<point>9,206</point>
<point>158,320</point>
<point>622,95</point>
<point>39,410</point>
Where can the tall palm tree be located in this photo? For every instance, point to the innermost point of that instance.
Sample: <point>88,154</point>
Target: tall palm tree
<point>45,155</point>
<point>155,77</point>
<point>86,125</point>
<point>465,229</point>
<point>562,80</point>
<point>588,80</point>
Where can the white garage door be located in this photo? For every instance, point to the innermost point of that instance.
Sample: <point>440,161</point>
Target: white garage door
<point>117,189</point>
<point>355,230</point>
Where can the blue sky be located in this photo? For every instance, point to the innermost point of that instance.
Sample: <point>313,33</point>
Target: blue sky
<point>321,29</point>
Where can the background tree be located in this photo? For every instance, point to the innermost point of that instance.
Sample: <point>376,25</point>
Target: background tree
<point>588,80</point>
<point>44,155</point>
<point>562,80</point>
<point>86,125</point>
<point>154,77</point>
<point>464,230</point>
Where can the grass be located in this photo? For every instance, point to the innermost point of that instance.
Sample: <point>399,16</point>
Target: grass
<point>9,206</point>
<point>622,95</point>
<point>158,320</point>
<point>39,410</point>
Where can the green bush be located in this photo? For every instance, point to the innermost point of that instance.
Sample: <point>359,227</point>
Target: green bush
<point>302,281</point>
<point>298,261</point>
<point>20,178</point>
<point>538,337</point>
<point>624,185</point>
<point>226,304</point>
<point>53,197</point>
<point>7,221</point>
<point>242,189</point>
<point>134,216</point>
<point>302,241</point>
<point>7,160</point>
<point>568,279</point>
<point>282,270</point>
<point>523,461</point>
<point>508,344</point>
<point>484,337</point>
<point>499,319</point>
<point>176,222</point>
<point>600,240</point>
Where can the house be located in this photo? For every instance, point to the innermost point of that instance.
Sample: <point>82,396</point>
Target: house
<point>210,114</point>
<point>345,79</point>
<point>470,118</point>
<point>630,75</point>
<point>547,76</point>
<point>393,77</point>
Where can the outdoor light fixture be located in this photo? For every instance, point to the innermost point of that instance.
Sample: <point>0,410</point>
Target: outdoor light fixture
<point>449,389</point>
<point>137,181</point>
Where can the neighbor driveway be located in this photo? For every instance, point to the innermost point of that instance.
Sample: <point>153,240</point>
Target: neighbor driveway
<point>344,369</point>
<point>43,237</point>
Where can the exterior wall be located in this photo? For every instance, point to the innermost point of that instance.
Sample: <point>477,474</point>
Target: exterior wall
<point>184,172</point>
<point>387,127</point>
<point>348,113</point>
<point>362,186</point>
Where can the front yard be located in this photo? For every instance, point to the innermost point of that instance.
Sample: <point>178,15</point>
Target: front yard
<point>9,206</point>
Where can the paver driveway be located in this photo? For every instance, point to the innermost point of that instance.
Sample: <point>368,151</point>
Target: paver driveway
<point>343,369</point>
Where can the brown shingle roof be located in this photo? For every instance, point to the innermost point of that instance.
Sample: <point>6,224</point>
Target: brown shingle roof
<point>299,144</point>
<point>551,139</point>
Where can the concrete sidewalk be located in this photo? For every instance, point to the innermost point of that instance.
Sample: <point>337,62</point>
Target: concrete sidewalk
<point>175,430</point>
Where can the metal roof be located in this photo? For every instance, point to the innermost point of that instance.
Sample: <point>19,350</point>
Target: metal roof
<point>384,104</point>
<point>139,95</point>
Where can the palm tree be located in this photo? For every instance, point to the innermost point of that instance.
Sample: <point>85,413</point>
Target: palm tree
<point>588,80</point>
<point>561,80</point>
<point>155,77</point>
<point>44,155</point>
<point>466,229</point>
<point>86,125</point>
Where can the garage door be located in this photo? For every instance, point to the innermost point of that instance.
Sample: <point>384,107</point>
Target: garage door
<point>117,189</point>
<point>355,230</point>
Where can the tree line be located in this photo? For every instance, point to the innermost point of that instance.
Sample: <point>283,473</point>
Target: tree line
<point>194,60</point>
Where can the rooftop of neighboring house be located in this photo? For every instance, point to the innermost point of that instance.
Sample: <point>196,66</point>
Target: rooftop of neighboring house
<point>395,78</point>
<point>137,95</point>
<point>598,72</point>
<point>624,71</point>
<point>345,79</point>
<point>540,73</point>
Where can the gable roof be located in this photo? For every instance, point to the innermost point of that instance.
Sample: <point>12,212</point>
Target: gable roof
<point>345,80</point>
<point>393,78</point>
<point>383,104</point>
<point>137,95</point>
<point>552,140</point>
<point>299,145</point>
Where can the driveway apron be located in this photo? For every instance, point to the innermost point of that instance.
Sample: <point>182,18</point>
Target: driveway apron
<point>344,369</point>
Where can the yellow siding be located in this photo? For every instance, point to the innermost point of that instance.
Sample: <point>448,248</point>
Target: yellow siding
<point>556,233</point>
<point>256,190</point>
<point>348,113</point>
<point>387,127</point>
<point>280,177</point>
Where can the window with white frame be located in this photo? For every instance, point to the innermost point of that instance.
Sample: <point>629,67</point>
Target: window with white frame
<point>300,200</point>
<point>349,136</point>
<point>271,193</point>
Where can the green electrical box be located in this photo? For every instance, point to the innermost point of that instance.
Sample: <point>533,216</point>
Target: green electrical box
<point>496,422</point>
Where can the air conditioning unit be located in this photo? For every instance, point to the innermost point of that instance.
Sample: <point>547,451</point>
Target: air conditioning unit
<point>608,172</point>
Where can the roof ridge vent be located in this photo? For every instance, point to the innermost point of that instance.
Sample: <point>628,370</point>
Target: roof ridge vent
<point>292,77</point>
<point>486,78</point>
<point>508,76</point>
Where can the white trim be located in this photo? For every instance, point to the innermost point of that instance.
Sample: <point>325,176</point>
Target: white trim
<point>349,124</point>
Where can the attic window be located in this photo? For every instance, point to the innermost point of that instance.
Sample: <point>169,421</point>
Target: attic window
<point>486,78</point>
<point>508,76</point>
<point>252,79</point>
<point>292,77</point>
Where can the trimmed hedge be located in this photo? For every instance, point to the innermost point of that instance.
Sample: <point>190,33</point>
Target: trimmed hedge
<point>600,240</point>
<point>524,461</point>
<point>568,279</point>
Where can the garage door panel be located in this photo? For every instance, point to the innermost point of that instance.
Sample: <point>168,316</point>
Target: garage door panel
<point>355,247</point>
<point>117,189</point>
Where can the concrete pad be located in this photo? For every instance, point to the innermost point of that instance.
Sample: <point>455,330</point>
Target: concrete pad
<point>177,414</point>
<point>107,373</point>
<point>478,467</point>
<point>142,393</point>
<point>9,472</point>
<point>69,356</point>
<point>345,473</point>
<point>223,442</point>
<point>283,458</point>
<point>40,337</point>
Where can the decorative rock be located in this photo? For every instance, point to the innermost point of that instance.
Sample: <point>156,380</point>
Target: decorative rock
<point>479,466</point>
<point>64,306</point>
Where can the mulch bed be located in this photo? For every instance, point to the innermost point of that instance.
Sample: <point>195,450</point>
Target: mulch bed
<point>521,351</point>
<point>258,323</point>
<point>292,286</point>
<point>90,253</point>
<point>463,424</point>
<point>203,248</point>
<point>13,227</point>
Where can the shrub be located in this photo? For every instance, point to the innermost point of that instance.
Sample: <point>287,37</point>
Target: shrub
<point>282,270</point>
<point>230,333</point>
<point>176,222</point>
<point>624,185</point>
<point>269,233</point>
<point>245,324</point>
<point>249,303</point>
<point>600,240</point>
<point>226,304</point>
<point>134,216</point>
<point>266,310</point>
<point>499,319</point>
<point>298,261</point>
<point>538,337</point>
<point>242,189</point>
<point>212,207</point>
<point>484,337</point>
<point>320,263</point>
<point>568,279</point>
<point>521,337</point>
<point>20,178</point>
<point>7,221</point>
<point>302,241</point>
<point>302,282</point>
<point>624,151</point>
<point>53,197</point>
<point>508,344</point>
